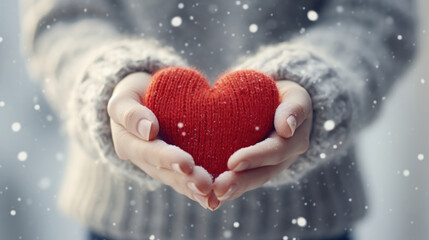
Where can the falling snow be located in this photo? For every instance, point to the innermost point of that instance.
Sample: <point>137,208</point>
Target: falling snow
<point>302,222</point>
<point>59,156</point>
<point>406,172</point>
<point>340,9</point>
<point>44,183</point>
<point>176,21</point>
<point>253,28</point>
<point>16,126</point>
<point>227,234</point>
<point>329,125</point>
<point>22,156</point>
<point>312,15</point>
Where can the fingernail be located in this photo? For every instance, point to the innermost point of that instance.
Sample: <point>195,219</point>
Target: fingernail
<point>291,121</point>
<point>176,167</point>
<point>228,194</point>
<point>241,166</point>
<point>201,200</point>
<point>213,203</point>
<point>194,188</point>
<point>214,206</point>
<point>144,129</point>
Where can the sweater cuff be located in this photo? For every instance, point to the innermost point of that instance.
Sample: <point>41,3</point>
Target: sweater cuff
<point>331,101</point>
<point>88,119</point>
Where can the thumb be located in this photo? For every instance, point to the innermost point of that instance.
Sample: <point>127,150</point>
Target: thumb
<point>294,108</point>
<point>126,109</point>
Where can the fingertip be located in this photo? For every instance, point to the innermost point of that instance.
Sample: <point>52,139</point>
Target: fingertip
<point>154,130</point>
<point>144,128</point>
<point>219,186</point>
<point>183,163</point>
<point>154,127</point>
<point>203,179</point>
<point>287,119</point>
<point>237,157</point>
<point>187,167</point>
<point>213,202</point>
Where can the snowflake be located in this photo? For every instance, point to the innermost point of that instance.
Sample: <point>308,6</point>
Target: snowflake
<point>176,21</point>
<point>253,28</point>
<point>312,15</point>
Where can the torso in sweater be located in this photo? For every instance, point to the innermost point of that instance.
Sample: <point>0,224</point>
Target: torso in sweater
<point>212,35</point>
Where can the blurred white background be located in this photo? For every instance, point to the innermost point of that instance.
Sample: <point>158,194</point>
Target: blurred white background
<point>32,152</point>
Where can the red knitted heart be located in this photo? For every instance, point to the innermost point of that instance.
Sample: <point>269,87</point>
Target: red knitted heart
<point>212,123</point>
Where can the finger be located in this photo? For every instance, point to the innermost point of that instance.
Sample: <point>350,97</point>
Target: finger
<point>126,109</point>
<point>230,185</point>
<point>295,107</point>
<point>197,183</point>
<point>156,152</point>
<point>213,202</point>
<point>268,152</point>
<point>197,186</point>
<point>272,151</point>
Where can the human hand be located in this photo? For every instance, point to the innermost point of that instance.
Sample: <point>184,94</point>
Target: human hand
<point>134,132</point>
<point>253,166</point>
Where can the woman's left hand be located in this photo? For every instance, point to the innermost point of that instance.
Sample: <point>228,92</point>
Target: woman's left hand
<point>253,166</point>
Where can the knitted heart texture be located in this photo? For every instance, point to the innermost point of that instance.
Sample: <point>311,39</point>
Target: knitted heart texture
<point>212,123</point>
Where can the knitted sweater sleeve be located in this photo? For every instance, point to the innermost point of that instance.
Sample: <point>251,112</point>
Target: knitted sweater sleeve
<point>347,62</point>
<point>80,50</point>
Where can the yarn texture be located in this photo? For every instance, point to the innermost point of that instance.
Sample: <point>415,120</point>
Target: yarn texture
<point>212,123</point>
<point>346,60</point>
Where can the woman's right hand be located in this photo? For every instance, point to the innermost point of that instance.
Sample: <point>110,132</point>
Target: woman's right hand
<point>134,132</point>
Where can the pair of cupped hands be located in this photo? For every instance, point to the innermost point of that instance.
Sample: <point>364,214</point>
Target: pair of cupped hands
<point>135,128</point>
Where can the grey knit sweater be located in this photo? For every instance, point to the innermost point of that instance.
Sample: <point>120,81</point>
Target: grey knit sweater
<point>347,54</point>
